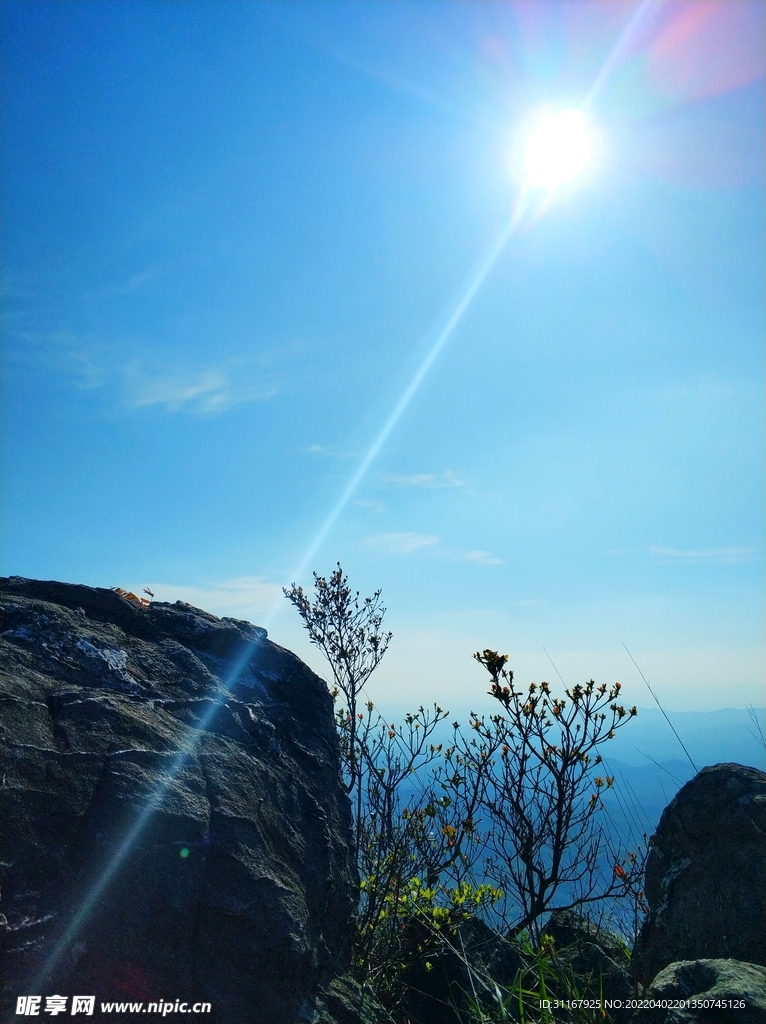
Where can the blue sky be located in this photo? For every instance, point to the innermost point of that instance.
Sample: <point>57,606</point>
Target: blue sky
<point>231,234</point>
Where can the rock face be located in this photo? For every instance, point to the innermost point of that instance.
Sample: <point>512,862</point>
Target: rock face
<point>346,1001</point>
<point>478,961</point>
<point>472,961</point>
<point>706,874</point>
<point>713,991</point>
<point>595,956</point>
<point>173,824</point>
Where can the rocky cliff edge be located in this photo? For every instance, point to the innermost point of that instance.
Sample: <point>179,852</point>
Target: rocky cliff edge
<point>173,823</point>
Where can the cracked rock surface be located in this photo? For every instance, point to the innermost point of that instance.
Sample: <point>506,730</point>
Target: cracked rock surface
<point>706,992</point>
<point>172,821</point>
<point>706,874</point>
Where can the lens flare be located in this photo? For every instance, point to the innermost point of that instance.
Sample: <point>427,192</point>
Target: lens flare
<point>558,149</point>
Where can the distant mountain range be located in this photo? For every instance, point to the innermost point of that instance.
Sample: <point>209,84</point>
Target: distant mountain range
<point>649,764</point>
<point>710,737</point>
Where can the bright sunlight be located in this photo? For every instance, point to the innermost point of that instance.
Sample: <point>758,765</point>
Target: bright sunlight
<point>558,149</point>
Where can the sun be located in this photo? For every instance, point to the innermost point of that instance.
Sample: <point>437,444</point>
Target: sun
<point>558,148</point>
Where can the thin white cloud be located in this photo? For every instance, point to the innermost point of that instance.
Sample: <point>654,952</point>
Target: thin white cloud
<point>90,374</point>
<point>140,280</point>
<point>402,543</point>
<point>408,543</point>
<point>325,452</point>
<point>174,391</point>
<point>430,480</point>
<point>375,506</point>
<point>721,556</point>
<point>241,597</point>
<point>132,283</point>
<point>208,391</point>
<point>415,480</point>
<point>707,388</point>
<point>133,377</point>
<point>85,360</point>
<point>478,557</point>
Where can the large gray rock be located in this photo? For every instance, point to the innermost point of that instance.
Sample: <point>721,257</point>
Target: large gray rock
<point>173,820</point>
<point>595,957</point>
<point>706,992</point>
<point>472,960</point>
<point>346,1001</point>
<point>706,874</point>
<point>478,962</point>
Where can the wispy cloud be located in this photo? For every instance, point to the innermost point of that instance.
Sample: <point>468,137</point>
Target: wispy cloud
<point>85,361</point>
<point>721,556</point>
<point>431,480</point>
<point>375,506</point>
<point>402,543</point>
<point>134,282</point>
<point>132,374</point>
<point>87,365</point>
<point>324,451</point>
<point>428,543</point>
<point>208,391</point>
<point>478,557</point>
<point>707,388</point>
<point>241,597</point>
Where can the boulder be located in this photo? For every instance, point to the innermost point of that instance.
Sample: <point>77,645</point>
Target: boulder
<point>346,1001</point>
<point>456,968</point>
<point>706,874</point>
<point>595,957</point>
<point>723,991</point>
<point>478,963</point>
<point>174,825</point>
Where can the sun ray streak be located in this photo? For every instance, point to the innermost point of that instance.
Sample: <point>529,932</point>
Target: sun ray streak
<point>643,11</point>
<point>520,209</point>
<point>128,840</point>
<point>442,338</point>
<point>101,884</point>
